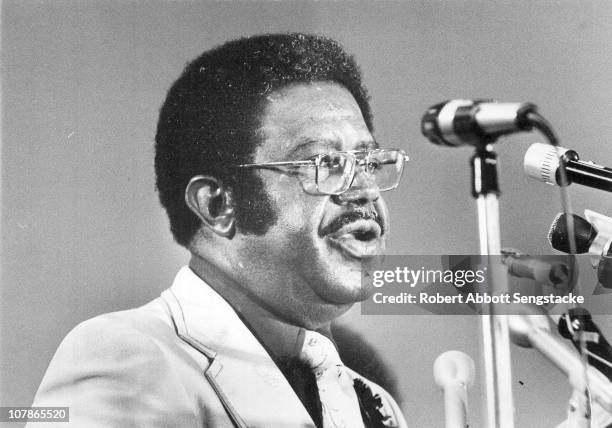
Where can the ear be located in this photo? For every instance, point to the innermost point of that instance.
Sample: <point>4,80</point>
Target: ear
<point>212,203</point>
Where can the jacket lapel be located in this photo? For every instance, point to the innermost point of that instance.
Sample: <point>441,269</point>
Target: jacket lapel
<point>252,389</point>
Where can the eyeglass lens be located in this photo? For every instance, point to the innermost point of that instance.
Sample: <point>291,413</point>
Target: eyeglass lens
<point>335,170</point>
<point>388,168</point>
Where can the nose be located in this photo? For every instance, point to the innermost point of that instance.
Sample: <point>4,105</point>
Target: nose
<point>362,190</point>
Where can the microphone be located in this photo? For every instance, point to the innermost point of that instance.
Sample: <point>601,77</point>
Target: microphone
<point>474,122</point>
<point>593,236</point>
<point>598,349</point>
<point>454,373</point>
<point>528,330</point>
<point>555,274</point>
<point>584,233</point>
<point>542,163</point>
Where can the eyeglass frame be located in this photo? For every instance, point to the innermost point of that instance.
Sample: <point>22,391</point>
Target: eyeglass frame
<point>314,162</point>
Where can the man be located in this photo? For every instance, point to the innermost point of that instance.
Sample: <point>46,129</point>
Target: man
<point>270,175</point>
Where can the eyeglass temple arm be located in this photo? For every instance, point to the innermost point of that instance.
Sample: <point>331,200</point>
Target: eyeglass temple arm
<point>279,165</point>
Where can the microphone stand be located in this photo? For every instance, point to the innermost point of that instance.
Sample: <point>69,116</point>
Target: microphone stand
<point>494,326</point>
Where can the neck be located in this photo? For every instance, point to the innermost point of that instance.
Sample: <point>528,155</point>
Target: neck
<point>244,297</point>
<point>214,275</point>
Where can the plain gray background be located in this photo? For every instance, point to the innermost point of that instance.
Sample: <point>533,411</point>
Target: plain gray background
<point>83,233</point>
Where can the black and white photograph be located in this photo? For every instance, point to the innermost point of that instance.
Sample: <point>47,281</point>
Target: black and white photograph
<point>300,213</point>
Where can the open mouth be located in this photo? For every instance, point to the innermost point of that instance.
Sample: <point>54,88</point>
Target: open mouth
<point>356,234</point>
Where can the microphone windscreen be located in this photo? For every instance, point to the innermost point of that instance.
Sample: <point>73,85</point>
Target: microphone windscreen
<point>584,233</point>
<point>454,367</point>
<point>604,270</point>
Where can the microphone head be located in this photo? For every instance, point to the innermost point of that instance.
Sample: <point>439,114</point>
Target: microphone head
<point>584,232</point>
<point>541,162</point>
<point>454,367</point>
<point>604,271</point>
<point>456,123</point>
<point>436,130</point>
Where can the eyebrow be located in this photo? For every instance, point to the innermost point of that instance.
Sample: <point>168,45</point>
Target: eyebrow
<point>368,145</point>
<point>333,144</point>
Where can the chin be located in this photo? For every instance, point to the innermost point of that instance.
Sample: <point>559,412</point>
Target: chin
<point>344,286</point>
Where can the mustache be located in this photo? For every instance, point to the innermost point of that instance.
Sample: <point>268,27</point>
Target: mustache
<point>339,222</point>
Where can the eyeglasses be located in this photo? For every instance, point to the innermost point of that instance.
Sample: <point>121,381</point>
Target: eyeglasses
<point>334,172</point>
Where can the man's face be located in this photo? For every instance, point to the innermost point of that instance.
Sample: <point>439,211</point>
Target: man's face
<point>313,253</point>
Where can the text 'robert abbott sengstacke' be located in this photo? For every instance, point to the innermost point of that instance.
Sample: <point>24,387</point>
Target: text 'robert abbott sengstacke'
<point>462,284</point>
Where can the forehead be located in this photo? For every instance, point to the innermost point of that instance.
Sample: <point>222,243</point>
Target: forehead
<point>311,117</point>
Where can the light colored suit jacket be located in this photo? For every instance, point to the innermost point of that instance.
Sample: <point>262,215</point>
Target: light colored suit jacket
<point>183,360</point>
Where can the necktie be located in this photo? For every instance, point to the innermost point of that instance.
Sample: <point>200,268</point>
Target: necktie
<point>339,403</point>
